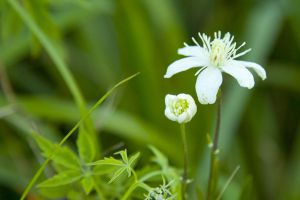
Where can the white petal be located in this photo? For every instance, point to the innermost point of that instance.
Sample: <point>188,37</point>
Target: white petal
<point>183,65</point>
<point>240,73</point>
<point>170,115</point>
<point>257,68</point>
<point>207,85</point>
<point>195,51</point>
<point>182,96</point>
<point>183,118</point>
<point>169,99</point>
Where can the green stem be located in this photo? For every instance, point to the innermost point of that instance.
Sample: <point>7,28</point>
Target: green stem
<point>150,175</point>
<point>213,156</point>
<point>100,195</point>
<point>185,162</point>
<point>40,170</point>
<point>140,183</point>
<point>130,190</point>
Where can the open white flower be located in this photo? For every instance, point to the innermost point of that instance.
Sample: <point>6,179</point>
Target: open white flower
<point>213,58</point>
<point>180,108</point>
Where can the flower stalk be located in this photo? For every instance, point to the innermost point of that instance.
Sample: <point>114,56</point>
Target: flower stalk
<point>212,181</point>
<point>185,162</point>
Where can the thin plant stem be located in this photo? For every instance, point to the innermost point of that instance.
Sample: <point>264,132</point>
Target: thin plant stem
<point>100,195</point>
<point>140,183</point>
<point>130,190</point>
<point>38,173</point>
<point>6,85</point>
<point>185,162</point>
<point>228,182</point>
<point>213,155</point>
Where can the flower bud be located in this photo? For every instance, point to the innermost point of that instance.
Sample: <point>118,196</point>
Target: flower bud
<point>180,108</point>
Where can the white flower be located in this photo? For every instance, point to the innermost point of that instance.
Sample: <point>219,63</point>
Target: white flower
<point>180,108</point>
<point>213,58</point>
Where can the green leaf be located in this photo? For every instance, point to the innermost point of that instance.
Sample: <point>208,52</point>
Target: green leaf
<point>159,158</point>
<point>108,161</point>
<point>64,155</point>
<point>120,166</point>
<point>86,146</point>
<point>62,178</point>
<point>87,184</point>
<point>128,164</point>
<point>123,154</point>
<point>117,174</point>
<point>55,192</point>
<point>133,159</point>
<point>132,162</point>
<point>99,170</point>
<point>45,145</point>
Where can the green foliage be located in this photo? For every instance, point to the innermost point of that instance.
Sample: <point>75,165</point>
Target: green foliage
<point>86,146</point>
<point>58,56</point>
<point>120,166</point>
<point>63,155</point>
<point>63,178</point>
<point>87,184</point>
<point>86,172</point>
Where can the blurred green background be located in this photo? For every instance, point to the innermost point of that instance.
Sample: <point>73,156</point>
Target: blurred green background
<point>103,41</point>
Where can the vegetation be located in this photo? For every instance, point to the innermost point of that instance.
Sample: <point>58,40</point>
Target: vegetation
<point>73,126</point>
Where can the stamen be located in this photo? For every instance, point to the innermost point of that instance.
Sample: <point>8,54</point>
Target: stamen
<point>231,50</point>
<point>231,39</point>
<point>242,53</point>
<point>219,48</point>
<point>241,46</point>
<point>226,37</point>
<point>195,41</point>
<point>205,41</point>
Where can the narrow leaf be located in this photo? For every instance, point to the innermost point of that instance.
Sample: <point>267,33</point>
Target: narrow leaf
<point>99,170</point>
<point>118,173</point>
<point>160,159</point>
<point>108,161</point>
<point>123,154</point>
<point>133,159</point>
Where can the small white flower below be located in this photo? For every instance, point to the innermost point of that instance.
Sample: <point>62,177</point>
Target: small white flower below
<point>180,108</point>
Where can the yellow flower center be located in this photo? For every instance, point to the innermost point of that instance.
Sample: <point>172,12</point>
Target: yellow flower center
<point>180,107</point>
<point>218,52</point>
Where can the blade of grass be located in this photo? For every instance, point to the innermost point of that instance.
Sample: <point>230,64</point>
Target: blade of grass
<point>45,41</point>
<point>57,59</point>
<point>228,182</point>
<point>85,116</point>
